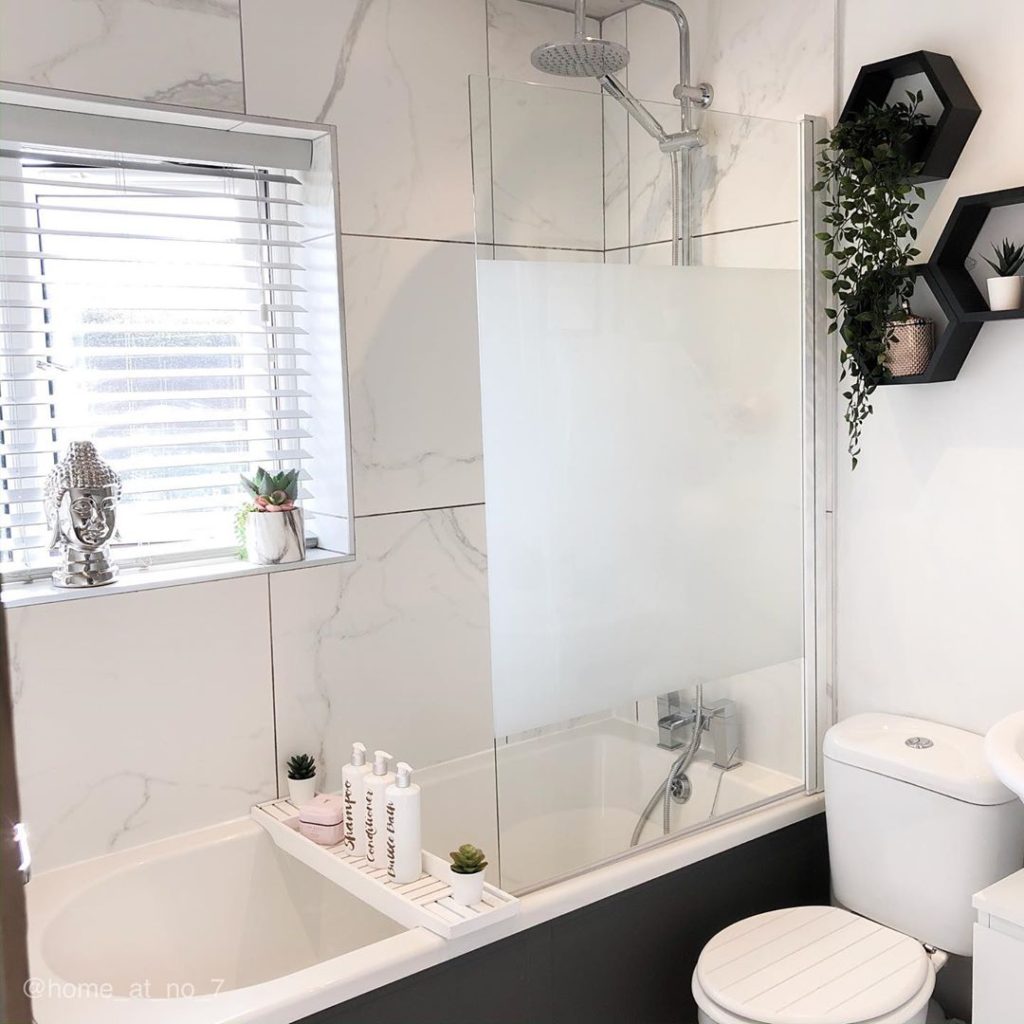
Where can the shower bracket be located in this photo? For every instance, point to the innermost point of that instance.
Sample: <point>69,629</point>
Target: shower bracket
<point>702,95</point>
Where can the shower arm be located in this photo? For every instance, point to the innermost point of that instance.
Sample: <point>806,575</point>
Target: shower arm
<point>687,94</point>
<point>634,107</point>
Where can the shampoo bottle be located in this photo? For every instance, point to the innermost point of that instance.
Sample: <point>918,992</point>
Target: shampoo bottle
<point>353,794</point>
<point>403,841</point>
<point>373,806</point>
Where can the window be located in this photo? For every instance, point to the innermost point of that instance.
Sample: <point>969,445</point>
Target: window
<point>158,308</point>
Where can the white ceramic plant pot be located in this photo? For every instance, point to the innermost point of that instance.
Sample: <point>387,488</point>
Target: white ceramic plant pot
<point>466,889</point>
<point>1005,292</point>
<point>301,791</point>
<point>275,538</point>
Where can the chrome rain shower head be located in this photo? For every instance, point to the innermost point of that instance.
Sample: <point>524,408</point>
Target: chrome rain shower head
<point>582,58</point>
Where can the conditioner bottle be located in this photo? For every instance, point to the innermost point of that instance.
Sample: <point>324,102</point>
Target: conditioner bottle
<point>373,806</point>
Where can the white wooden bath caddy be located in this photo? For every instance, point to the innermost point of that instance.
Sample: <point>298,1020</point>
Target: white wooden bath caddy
<point>425,903</point>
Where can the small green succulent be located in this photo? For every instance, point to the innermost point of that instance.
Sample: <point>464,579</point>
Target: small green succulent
<point>301,766</point>
<point>273,492</point>
<point>468,860</point>
<point>1009,258</point>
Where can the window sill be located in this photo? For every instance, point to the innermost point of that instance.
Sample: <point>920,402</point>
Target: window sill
<point>21,595</point>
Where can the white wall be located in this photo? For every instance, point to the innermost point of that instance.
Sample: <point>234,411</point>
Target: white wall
<point>931,549</point>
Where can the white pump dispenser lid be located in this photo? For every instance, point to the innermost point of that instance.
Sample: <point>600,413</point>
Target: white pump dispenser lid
<point>358,755</point>
<point>381,759</point>
<point>403,775</point>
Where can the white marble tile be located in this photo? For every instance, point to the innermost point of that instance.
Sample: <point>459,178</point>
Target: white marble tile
<point>515,28</point>
<point>392,76</point>
<point>767,61</point>
<point>774,247</point>
<point>616,150</point>
<point>650,188</point>
<point>745,173</point>
<point>141,715</point>
<point>656,254</point>
<point>770,60</point>
<point>414,385</point>
<point>172,51</point>
<point>480,139</point>
<point>391,649</point>
<point>654,47</point>
<point>547,166</point>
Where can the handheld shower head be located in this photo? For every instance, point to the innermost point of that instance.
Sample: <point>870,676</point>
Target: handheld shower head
<point>582,58</point>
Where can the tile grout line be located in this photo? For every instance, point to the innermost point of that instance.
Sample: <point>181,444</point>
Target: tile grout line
<point>413,511</point>
<point>709,234</point>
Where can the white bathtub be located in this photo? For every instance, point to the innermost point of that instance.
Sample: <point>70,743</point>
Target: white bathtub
<point>569,800</point>
<point>219,925</point>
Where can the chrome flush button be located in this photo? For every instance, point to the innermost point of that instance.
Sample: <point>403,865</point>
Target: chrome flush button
<point>920,742</point>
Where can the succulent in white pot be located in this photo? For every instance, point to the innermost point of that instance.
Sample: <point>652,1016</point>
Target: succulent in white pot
<point>301,770</point>
<point>466,874</point>
<point>1006,289</point>
<point>274,531</point>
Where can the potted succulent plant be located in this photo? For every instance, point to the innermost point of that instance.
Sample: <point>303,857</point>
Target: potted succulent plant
<point>301,778</point>
<point>274,529</point>
<point>467,874</point>
<point>1006,289</point>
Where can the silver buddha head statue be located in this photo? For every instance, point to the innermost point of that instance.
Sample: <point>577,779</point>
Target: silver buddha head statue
<point>81,497</point>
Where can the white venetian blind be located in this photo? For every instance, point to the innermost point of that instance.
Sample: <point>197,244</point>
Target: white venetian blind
<point>151,307</point>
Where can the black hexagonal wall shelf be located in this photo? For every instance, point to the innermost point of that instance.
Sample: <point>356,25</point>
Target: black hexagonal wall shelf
<point>951,344</point>
<point>942,143</point>
<point>957,243</point>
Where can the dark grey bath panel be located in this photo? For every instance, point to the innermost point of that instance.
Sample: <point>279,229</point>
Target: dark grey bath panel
<point>624,960</point>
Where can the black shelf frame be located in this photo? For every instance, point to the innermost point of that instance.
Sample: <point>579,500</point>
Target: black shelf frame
<point>951,346</point>
<point>941,144</point>
<point>957,243</point>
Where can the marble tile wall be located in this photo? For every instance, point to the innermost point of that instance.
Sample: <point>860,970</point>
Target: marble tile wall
<point>140,715</point>
<point>169,51</point>
<point>354,648</point>
<point>392,648</point>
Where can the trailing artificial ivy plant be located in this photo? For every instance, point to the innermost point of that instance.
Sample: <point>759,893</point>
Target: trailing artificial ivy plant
<point>865,168</point>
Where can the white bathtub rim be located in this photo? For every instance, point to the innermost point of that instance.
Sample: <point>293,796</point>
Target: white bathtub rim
<point>321,986</point>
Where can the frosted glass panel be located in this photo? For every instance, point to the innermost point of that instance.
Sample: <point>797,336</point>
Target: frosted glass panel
<point>642,446</point>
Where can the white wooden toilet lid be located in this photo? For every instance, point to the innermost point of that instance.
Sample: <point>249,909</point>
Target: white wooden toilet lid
<point>811,965</point>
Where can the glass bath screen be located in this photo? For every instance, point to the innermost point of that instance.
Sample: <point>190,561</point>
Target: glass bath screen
<point>643,460</point>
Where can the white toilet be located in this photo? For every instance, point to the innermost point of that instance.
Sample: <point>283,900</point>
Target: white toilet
<point>917,823</point>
